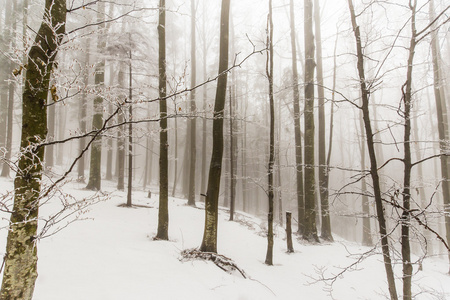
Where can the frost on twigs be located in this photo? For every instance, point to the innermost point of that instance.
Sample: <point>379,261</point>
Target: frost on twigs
<point>223,262</point>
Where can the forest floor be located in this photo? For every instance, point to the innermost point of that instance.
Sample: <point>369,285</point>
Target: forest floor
<point>112,255</point>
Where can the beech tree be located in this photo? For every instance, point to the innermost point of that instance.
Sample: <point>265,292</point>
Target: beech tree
<point>310,230</point>
<point>209,241</point>
<point>163,212</point>
<point>297,136</point>
<point>20,269</point>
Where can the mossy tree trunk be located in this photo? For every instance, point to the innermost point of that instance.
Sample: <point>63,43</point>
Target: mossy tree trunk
<point>21,252</point>
<point>209,241</point>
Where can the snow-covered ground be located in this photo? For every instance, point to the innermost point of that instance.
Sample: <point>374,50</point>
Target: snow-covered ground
<point>113,256</point>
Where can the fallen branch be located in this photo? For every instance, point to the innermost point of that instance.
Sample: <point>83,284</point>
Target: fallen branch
<point>223,262</point>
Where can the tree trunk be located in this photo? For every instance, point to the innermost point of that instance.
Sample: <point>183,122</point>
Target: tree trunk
<point>406,218</point>
<point>297,136</point>
<point>83,110</point>
<point>269,73</point>
<point>130,133</point>
<point>163,212</point>
<point>442,122</point>
<point>290,247</point>
<point>121,136</point>
<point>323,167</point>
<point>373,160</point>
<point>20,272</point>
<point>95,168</point>
<point>209,241</point>
<point>310,230</point>
<point>193,108</point>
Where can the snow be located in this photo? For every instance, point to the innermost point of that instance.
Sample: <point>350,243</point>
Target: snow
<point>112,255</point>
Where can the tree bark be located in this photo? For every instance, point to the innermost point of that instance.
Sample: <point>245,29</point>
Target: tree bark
<point>95,168</point>
<point>20,272</point>
<point>323,167</point>
<point>310,230</point>
<point>269,73</point>
<point>297,135</point>
<point>209,241</point>
<point>290,247</point>
<point>163,212</point>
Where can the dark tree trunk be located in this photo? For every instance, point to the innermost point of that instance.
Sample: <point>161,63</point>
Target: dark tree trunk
<point>269,73</point>
<point>297,135</point>
<point>310,230</point>
<point>406,218</point>
<point>373,160</point>
<point>290,247</point>
<point>209,241</point>
<point>20,272</point>
<point>163,212</point>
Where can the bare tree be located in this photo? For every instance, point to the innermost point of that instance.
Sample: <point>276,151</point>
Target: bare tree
<point>269,74</point>
<point>209,241</point>
<point>163,212</point>
<point>297,136</point>
<point>310,230</point>
<point>373,160</point>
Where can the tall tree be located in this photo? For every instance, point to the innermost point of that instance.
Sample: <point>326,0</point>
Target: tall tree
<point>310,230</point>
<point>209,241</point>
<point>297,136</point>
<point>95,177</point>
<point>19,275</point>
<point>193,108</point>
<point>323,167</point>
<point>443,127</point>
<point>163,212</point>
<point>269,74</point>
<point>407,105</point>
<point>372,155</point>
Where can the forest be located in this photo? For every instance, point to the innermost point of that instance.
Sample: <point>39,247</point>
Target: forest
<point>312,134</point>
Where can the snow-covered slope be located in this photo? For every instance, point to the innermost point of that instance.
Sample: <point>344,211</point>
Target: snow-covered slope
<point>113,256</point>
